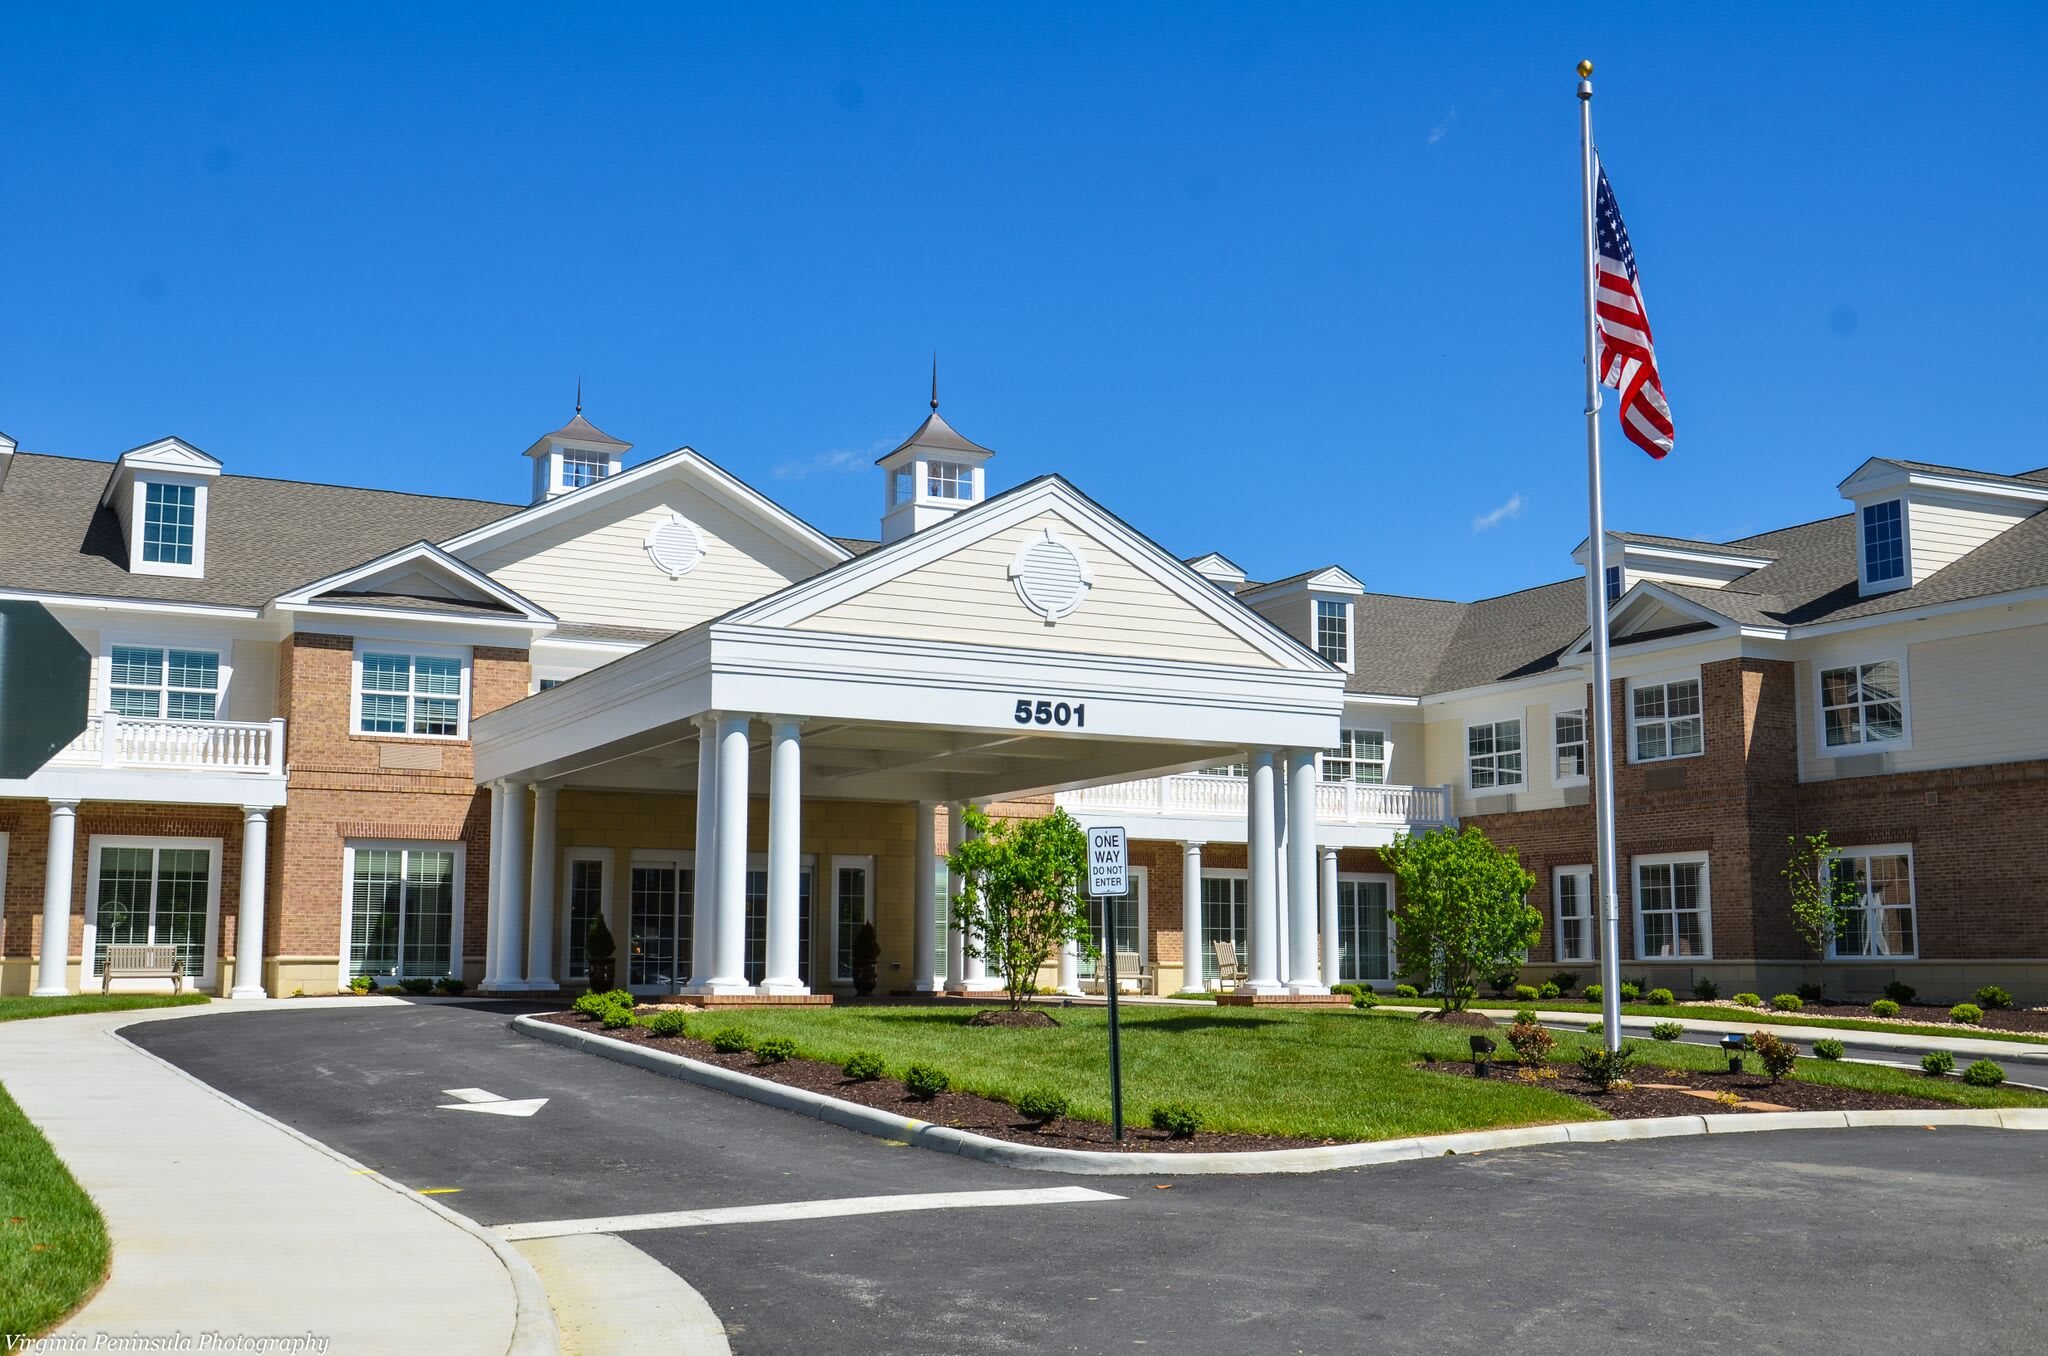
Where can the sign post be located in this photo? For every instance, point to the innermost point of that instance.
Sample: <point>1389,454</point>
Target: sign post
<point>1109,878</point>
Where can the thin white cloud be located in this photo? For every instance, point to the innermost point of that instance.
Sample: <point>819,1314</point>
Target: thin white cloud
<point>842,460</point>
<point>1443,129</point>
<point>1493,518</point>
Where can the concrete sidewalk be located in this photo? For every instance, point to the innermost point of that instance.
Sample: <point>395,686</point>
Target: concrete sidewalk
<point>225,1221</point>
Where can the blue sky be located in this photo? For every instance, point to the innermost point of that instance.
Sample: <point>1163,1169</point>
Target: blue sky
<point>1298,283</point>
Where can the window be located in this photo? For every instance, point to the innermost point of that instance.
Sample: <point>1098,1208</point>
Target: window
<point>586,906</point>
<point>1362,757</point>
<point>1333,631</point>
<point>1666,719</point>
<point>1671,908</point>
<point>582,468</point>
<point>548,684</point>
<point>1225,770</point>
<point>401,911</point>
<point>942,911</point>
<point>410,694</point>
<point>1862,704</point>
<point>853,903</point>
<point>948,480</point>
<point>156,890</point>
<point>902,483</point>
<point>1493,753</point>
<point>1365,931</point>
<point>757,924</point>
<point>660,897</point>
<point>1881,921</point>
<point>1224,919</point>
<point>1569,731</point>
<point>1127,918</point>
<point>1613,581</point>
<point>170,515</point>
<point>1571,890</point>
<point>1884,542</point>
<point>147,683</point>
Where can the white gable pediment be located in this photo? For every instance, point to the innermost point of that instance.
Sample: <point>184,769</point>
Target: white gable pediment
<point>422,571</point>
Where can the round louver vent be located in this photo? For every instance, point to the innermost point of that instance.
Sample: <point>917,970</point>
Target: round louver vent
<point>675,546</point>
<point>1050,576</point>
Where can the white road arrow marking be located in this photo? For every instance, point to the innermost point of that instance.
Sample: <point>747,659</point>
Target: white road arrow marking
<point>490,1103</point>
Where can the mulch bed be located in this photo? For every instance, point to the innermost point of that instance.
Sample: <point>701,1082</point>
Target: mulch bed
<point>1460,1018</point>
<point>1005,1017</point>
<point>960,1110</point>
<point>1641,1102</point>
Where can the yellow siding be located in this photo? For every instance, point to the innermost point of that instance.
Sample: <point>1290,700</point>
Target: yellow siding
<point>968,597</point>
<point>592,569</point>
<point>1939,533</point>
<point>1444,749</point>
<point>252,689</point>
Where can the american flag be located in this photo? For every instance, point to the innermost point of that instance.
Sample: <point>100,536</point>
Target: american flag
<point>1628,359</point>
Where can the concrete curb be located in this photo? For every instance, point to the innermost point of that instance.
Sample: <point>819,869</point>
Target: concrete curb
<point>533,1323</point>
<point>1093,1163</point>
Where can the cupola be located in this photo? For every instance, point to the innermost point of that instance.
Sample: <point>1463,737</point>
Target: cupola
<point>577,454</point>
<point>931,476</point>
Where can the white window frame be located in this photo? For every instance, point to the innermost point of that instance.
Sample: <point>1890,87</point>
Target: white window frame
<point>1521,783</point>
<point>1614,587</point>
<point>1208,954</point>
<point>1316,603</point>
<point>598,463</point>
<point>138,521</point>
<point>607,886</point>
<point>1558,746</point>
<point>1912,885</point>
<point>1393,923</point>
<point>1343,754</point>
<point>1821,668</point>
<point>462,654</point>
<point>220,649</point>
<point>88,965</point>
<point>1706,909</point>
<point>948,482</point>
<point>1904,578</point>
<point>844,862</point>
<point>1141,887</point>
<point>678,860</point>
<point>1592,948</point>
<point>456,940</point>
<point>1664,681</point>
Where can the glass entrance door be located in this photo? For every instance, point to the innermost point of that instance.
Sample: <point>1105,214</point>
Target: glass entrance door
<point>658,921</point>
<point>1224,919</point>
<point>757,925</point>
<point>1364,936</point>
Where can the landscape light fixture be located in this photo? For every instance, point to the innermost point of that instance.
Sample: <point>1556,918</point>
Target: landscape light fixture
<point>1733,1043</point>
<point>1482,1050</point>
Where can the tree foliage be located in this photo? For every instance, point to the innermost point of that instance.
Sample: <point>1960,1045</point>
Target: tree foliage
<point>1823,889</point>
<point>1020,899</point>
<point>1463,909</point>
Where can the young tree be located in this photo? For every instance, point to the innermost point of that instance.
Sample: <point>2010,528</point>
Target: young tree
<point>1823,890</point>
<point>1020,893</point>
<point>1464,911</point>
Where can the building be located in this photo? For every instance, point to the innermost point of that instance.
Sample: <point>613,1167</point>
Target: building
<point>339,731</point>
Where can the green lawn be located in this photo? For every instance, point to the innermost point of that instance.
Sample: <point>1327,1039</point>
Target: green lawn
<point>1319,1075</point>
<point>53,1243</point>
<point>16,1009</point>
<point>1759,1016</point>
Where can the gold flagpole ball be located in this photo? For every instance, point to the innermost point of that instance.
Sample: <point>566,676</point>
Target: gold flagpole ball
<point>1585,69</point>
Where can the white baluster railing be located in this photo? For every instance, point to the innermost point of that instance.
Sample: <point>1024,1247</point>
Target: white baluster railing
<point>118,741</point>
<point>1201,796</point>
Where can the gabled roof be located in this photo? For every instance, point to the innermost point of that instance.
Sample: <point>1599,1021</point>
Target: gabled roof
<point>1328,579</point>
<point>470,592</point>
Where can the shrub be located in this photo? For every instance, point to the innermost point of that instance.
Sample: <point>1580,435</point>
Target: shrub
<point>1528,993</point>
<point>1406,991</point>
<point>1661,998</point>
<point>1524,1015</point>
<point>1788,1002</point>
<point>590,1005</point>
<point>924,1082</point>
<point>1630,992</point>
<point>1706,990</point>
<point>1967,1013</point>
<point>729,1040</point>
<point>1043,1105</point>
<point>1348,990</point>
<point>1531,1042</point>
<point>668,1025</point>
<point>1667,1031</point>
<point>452,986</point>
<point>774,1050</point>
<point>1776,1055</point>
<point>1594,993</point>
<point>1365,998</point>
<point>615,1018</point>
<point>416,986</point>
<point>1550,989</point>
<point>1178,1119</point>
<point>1749,1000</point>
<point>1937,1062</point>
<point>1991,997</point>
<point>1829,1049</point>
<point>361,983</point>
<point>1596,1027</point>
<point>1604,1068</point>
<point>621,997</point>
<point>1565,980</point>
<point>1884,1007</point>
<point>1810,992</point>
<point>1984,1074</point>
<point>1504,982</point>
<point>863,1066</point>
<point>1899,991</point>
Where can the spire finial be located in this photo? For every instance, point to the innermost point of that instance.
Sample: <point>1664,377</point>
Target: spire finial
<point>935,381</point>
<point>579,395</point>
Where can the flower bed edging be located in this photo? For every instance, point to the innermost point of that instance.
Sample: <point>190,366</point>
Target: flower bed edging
<point>1093,1163</point>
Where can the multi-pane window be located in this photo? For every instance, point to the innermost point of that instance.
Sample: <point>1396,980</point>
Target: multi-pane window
<point>1569,731</point>
<point>1862,704</point>
<point>1224,919</point>
<point>1365,932</point>
<point>1333,631</point>
<point>1666,720</point>
<point>1126,915</point>
<point>1362,757</point>
<point>1880,922</point>
<point>170,515</point>
<point>409,694</point>
<point>147,682</point>
<point>1671,907</point>
<point>1572,891</point>
<point>849,911</point>
<point>659,916</point>
<point>757,926</point>
<point>152,893</point>
<point>902,483</point>
<point>1613,582</point>
<point>402,912</point>
<point>1493,753</point>
<point>586,906</point>
<point>1884,542</point>
<point>948,480</point>
<point>581,468</point>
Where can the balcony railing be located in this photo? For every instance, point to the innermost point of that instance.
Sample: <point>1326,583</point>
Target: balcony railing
<point>117,741</point>
<point>1195,795</point>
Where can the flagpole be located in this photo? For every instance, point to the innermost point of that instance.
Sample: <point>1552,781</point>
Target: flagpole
<point>1600,722</point>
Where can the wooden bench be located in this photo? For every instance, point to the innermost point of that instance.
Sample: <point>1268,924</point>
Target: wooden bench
<point>142,960</point>
<point>1132,976</point>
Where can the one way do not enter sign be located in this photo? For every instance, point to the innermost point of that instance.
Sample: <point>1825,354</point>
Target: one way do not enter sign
<point>1108,862</point>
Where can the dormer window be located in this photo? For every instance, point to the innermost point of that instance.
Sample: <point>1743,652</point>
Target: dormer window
<point>170,516</point>
<point>1333,631</point>
<point>1614,589</point>
<point>158,493</point>
<point>1884,542</point>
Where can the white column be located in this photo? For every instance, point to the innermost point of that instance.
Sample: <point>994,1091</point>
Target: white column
<point>729,967</point>
<point>249,916</point>
<point>785,828</point>
<point>1191,947</point>
<point>52,979</point>
<point>1070,967</point>
<point>1304,974</point>
<point>1283,935</point>
<point>925,906</point>
<point>956,936</point>
<point>1262,970</point>
<point>1332,971</point>
<point>494,890</point>
<point>975,977</point>
<point>512,891</point>
<point>704,874</point>
<point>540,928</point>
